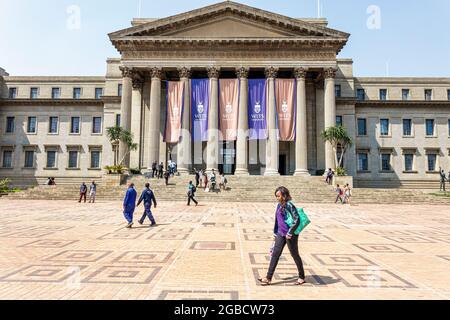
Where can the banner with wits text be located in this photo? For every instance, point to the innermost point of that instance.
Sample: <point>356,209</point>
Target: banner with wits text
<point>228,108</point>
<point>200,109</point>
<point>175,98</point>
<point>285,101</point>
<point>257,116</point>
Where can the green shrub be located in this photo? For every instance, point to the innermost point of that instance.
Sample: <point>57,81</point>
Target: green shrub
<point>135,171</point>
<point>341,172</point>
<point>4,185</point>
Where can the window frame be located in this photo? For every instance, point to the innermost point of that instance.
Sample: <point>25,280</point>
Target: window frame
<point>408,96</point>
<point>3,151</point>
<point>55,167</point>
<point>434,135</point>
<point>71,132</point>
<point>391,163</point>
<point>412,128</point>
<point>365,127</point>
<point>93,125</point>
<point>379,94</point>
<point>425,94</point>
<point>73,93</point>
<point>338,90</point>
<point>69,151</point>
<point>119,89</point>
<point>118,119</point>
<point>388,135</point>
<point>33,160</point>
<point>35,125</point>
<point>363,98</point>
<point>91,152</point>
<point>50,125</point>
<point>413,165</point>
<point>342,120</point>
<point>359,169</point>
<point>436,162</point>
<point>59,93</point>
<point>16,90</point>
<point>95,93</point>
<point>7,132</point>
<point>37,93</point>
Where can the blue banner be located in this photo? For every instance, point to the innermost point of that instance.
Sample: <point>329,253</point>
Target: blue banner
<point>257,115</point>
<point>200,109</point>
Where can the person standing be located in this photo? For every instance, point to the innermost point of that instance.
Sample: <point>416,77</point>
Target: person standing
<point>197,178</point>
<point>129,204</point>
<point>347,194</point>
<point>153,169</point>
<point>191,194</point>
<point>213,180</point>
<point>83,192</point>
<point>166,177</point>
<point>160,170</point>
<point>92,192</point>
<point>148,197</point>
<point>340,194</point>
<point>201,174</point>
<point>284,235</point>
<point>442,185</point>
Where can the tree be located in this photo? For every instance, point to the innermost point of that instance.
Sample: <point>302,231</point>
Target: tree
<point>116,135</point>
<point>338,138</point>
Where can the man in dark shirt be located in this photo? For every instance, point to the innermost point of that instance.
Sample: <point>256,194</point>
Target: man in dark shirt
<point>442,186</point>
<point>153,169</point>
<point>83,192</point>
<point>148,197</point>
<point>160,170</point>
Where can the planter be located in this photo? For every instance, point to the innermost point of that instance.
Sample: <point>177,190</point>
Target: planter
<point>343,180</point>
<point>112,180</point>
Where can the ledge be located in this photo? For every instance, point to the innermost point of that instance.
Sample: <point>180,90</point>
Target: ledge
<point>410,172</point>
<point>52,102</point>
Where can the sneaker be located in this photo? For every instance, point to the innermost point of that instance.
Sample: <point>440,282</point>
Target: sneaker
<point>130,225</point>
<point>141,222</point>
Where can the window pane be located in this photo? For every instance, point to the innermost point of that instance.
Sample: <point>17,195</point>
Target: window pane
<point>31,127</point>
<point>360,94</point>
<point>51,159</point>
<point>428,94</point>
<point>409,158</point>
<point>119,90</point>
<point>430,127</point>
<point>34,93</point>
<point>75,125</point>
<point>338,90</point>
<point>76,93</point>
<point>7,159</point>
<point>95,159</point>
<point>9,124</point>
<point>432,162</point>
<point>73,159</point>
<point>405,94</point>
<point>386,162</point>
<point>407,127</point>
<point>97,125</point>
<point>339,121</point>
<point>384,127</point>
<point>363,163</point>
<point>383,94</point>
<point>362,130</point>
<point>29,159</point>
<point>56,93</point>
<point>98,93</point>
<point>118,120</point>
<point>448,94</point>
<point>53,128</point>
<point>449,127</point>
<point>12,93</point>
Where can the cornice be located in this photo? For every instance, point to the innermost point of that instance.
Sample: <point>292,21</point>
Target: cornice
<point>51,102</point>
<point>393,103</point>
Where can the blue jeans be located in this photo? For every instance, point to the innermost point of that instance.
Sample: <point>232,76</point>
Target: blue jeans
<point>148,213</point>
<point>128,213</point>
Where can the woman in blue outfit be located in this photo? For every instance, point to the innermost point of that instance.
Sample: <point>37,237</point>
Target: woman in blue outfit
<point>285,235</point>
<point>129,204</point>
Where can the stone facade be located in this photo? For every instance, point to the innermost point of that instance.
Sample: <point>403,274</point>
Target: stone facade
<point>226,40</point>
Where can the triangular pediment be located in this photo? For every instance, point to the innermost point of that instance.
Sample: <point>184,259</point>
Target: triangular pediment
<point>228,20</point>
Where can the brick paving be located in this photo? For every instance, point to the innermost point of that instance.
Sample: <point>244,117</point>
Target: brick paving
<point>66,250</point>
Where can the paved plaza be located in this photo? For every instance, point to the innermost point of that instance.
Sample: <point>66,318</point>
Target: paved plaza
<point>66,250</point>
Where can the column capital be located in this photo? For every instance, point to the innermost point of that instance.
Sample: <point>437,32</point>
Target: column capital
<point>137,82</point>
<point>126,72</point>
<point>300,73</point>
<point>330,73</point>
<point>242,72</point>
<point>271,72</point>
<point>184,72</point>
<point>156,72</point>
<point>213,72</point>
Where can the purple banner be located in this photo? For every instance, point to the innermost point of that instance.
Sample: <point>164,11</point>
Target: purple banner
<point>200,108</point>
<point>257,116</point>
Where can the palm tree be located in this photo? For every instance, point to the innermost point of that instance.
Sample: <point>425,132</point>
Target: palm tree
<point>116,135</point>
<point>339,139</point>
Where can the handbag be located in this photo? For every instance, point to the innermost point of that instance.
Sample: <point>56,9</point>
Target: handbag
<point>304,221</point>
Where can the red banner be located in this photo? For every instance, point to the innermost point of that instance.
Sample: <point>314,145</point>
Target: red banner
<point>175,97</point>
<point>285,100</point>
<point>229,108</point>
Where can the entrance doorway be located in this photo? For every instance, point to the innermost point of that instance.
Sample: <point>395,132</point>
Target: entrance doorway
<point>228,156</point>
<point>283,165</point>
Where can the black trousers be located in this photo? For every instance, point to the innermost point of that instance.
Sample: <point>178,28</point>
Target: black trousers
<point>192,198</point>
<point>280,243</point>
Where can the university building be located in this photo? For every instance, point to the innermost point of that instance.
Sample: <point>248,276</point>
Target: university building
<point>56,126</point>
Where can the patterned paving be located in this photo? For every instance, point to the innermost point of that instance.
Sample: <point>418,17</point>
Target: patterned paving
<point>65,250</point>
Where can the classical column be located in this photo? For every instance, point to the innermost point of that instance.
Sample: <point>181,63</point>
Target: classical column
<point>272,147</point>
<point>329,113</point>
<point>155,115</point>
<point>242,137</point>
<point>136,122</point>
<point>184,159</point>
<point>212,157</point>
<point>125,109</point>
<point>301,142</point>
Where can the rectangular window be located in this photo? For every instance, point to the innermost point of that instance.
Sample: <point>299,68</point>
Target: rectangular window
<point>339,121</point>
<point>31,125</point>
<point>405,94</point>
<point>10,124</point>
<point>448,95</point>
<point>117,120</point>
<point>7,159</point>
<point>76,93</point>
<point>95,159</point>
<point>384,127</point>
<point>53,125</point>
<point>97,125</point>
<point>362,127</point>
<point>449,127</point>
<point>428,94</point>
<point>12,93</point>
<point>386,162</point>
<point>98,93</point>
<point>361,94</point>
<point>56,93</point>
<point>34,93</point>
<point>29,159</point>
<point>432,162</point>
<point>409,162</point>
<point>51,159</point>
<point>338,90</point>
<point>119,90</point>
<point>383,94</point>
<point>75,125</point>
<point>407,127</point>
<point>363,162</point>
<point>73,159</point>
<point>430,127</point>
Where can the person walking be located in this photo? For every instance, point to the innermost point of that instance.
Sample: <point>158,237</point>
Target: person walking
<point>347,194</point>
<point>83,192</point>
<point>213,180</point>
<point>443,178</point>
<point>129,204</point>
<point>148,197</point>
<point>191,194</point>
<point>92,192</point>
<point>154,169</point>
<point>285,235</point>
<point>160,170</point>
<point>340,194</point>
<point>205,179</point>
<point>330,175</point>
<point>166,177</point>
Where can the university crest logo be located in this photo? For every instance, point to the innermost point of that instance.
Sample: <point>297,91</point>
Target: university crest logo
<point>200,108</point>
<point>258,108</point>
<point>284,107</point>
<point>229,108</point>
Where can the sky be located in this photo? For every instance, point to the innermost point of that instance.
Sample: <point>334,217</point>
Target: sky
<point>70,37</point>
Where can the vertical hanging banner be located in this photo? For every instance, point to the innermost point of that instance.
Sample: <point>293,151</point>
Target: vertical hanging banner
<point>200,109</point>
<point>175,98</point>
<point>257,116</point>
<point>228,108</point>
<point>285,100</point>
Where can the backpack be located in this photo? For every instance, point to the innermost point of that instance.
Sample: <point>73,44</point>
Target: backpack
<point>194,189</point>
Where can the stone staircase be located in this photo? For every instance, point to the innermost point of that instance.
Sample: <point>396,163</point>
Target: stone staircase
<point>240,189</point>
